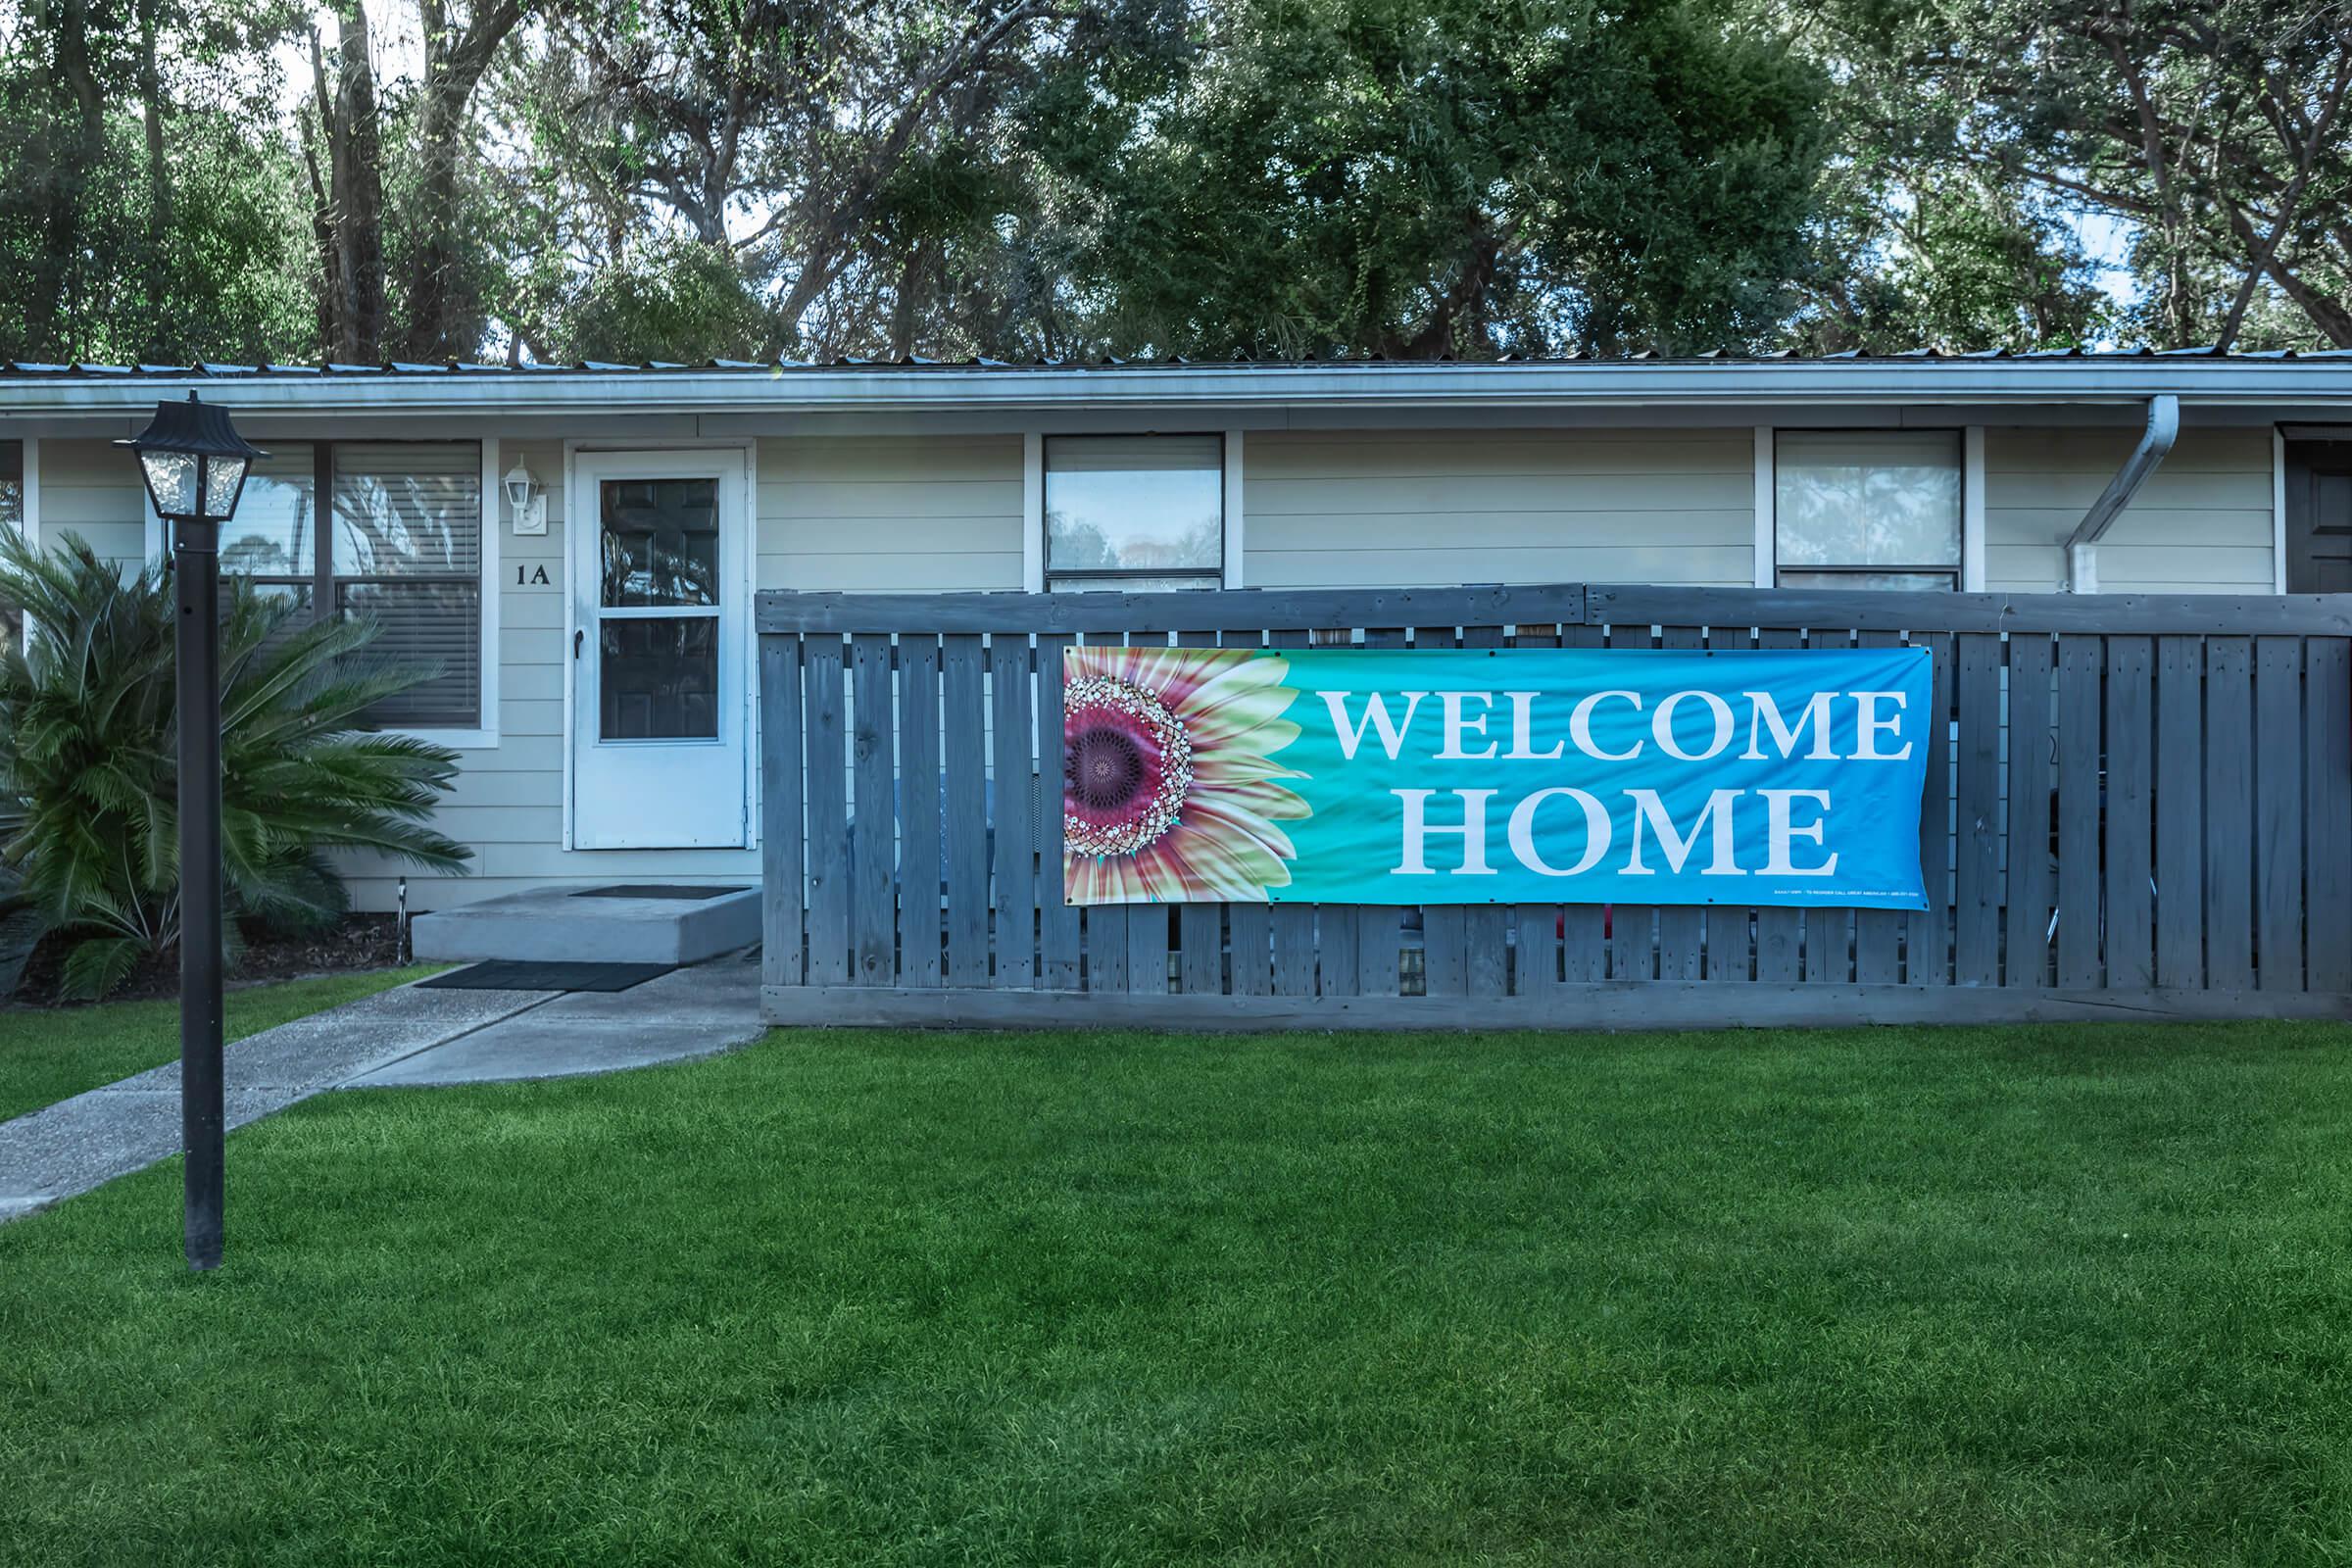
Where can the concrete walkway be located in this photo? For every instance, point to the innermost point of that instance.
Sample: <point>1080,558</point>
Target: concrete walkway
<point>395,1038</point>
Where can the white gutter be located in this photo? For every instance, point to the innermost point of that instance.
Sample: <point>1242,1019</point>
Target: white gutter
<point>2155,441</point>
<point>2307,383</point>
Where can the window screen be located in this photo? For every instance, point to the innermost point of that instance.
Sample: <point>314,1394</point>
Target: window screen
<point>12,518</point>
<point>407,552</point>
<point>403,546</point>
<point>1873,508</point>
<point>1135,512</point>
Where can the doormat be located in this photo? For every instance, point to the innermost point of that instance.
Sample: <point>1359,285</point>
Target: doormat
<point>502,974</point>
<point>657,890</point>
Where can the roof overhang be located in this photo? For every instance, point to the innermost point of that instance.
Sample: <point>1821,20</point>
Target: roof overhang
<point>2234,389</point>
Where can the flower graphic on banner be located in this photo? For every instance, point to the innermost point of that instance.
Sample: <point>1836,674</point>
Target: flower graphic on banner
<point>1170,792</point>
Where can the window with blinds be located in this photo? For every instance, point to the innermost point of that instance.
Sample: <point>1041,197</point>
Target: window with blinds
<point>401,544</point>
<point>1135,511</point>
<point>12,518</point>
<point>1867,508</point>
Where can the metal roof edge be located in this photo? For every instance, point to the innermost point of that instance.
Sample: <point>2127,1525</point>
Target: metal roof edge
<point>709,389</point>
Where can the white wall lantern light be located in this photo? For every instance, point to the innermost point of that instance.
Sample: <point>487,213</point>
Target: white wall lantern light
<point>526,499</point>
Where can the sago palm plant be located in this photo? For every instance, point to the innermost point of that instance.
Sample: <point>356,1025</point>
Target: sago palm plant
<point>88,742</point>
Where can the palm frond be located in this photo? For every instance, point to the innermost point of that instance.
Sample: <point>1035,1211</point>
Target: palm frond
<point>89,743</point>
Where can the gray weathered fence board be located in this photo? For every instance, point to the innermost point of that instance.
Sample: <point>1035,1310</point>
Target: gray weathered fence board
<point>1609,1006</point>
<point>828,778</point>
<point>1879,933</point>
<point>1444,927</point>
<point>962,704</point>
<point>783,951</point>
<point>1871,609</point>
<point>1247,610</point>
<point>2027,960</point>
<point>1583,927</point>
<point>1379,931</point>
<point>1682,927</point>
<point>2278,812</point>
<point>1293,925</point>
<point>1976,915</point>
<point>1058,922</point>
<point>2328,797</point>
<point>2130,842</point>
<point>1559,603</point>
<point>2197,783</point>
<point>2081,669</point>
<point>1536,928</point>
<point>1147,949</point>
<point>922,876</point>
<point>1930,943</point>
<point>1778,929</point>
<point>2229,812</point>
<point>873,840</point>
<point>1199,927</point>
<point>2179,812</point>
<point>1827,935</point>
<point>1009,690</point>
<point>1486,927</point>
<point>1108,939</point>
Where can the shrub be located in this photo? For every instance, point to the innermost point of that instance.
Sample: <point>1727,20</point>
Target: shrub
<point>88,742</point>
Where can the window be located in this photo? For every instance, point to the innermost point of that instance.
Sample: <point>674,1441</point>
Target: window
<point>403,546</point>
<point>1870,509</point>
<point>1135,512</point>
<point>12,518</point>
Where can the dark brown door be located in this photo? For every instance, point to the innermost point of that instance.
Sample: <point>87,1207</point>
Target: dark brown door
<point>2319,517</point>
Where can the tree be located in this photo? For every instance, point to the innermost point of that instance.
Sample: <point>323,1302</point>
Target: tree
<point>444,314</point>
<point>858,169</point>
<point>2215,127</point>
<point>168,236</point>
<point>1461,176</point>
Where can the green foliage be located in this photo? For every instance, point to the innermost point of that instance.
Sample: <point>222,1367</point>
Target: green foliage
<point>2214,133</point>
<point>695,179</point>
<point>1939,260</point>
<point>1466,176</point>
<point>672,298</point>
<point>89,740</point>
<point>100,270</point>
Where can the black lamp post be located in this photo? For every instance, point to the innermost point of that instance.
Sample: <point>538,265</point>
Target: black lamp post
<point>195,464</point>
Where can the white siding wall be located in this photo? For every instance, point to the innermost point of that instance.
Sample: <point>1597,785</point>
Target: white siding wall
<point>2200,524</point>
<point>907,513</point>
<point>92,488</point>
<point>1389,507</point>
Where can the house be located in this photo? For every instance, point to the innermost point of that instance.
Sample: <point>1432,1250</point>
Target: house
<point>576,547</point>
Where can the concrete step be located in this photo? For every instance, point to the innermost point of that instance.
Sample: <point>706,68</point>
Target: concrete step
<point>620,924</point>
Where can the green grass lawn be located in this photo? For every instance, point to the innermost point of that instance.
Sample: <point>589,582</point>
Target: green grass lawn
<point>2051,1297</point>
<point>50,1052</point>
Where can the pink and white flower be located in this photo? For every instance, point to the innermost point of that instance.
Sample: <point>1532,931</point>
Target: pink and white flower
<point>1170,792</point>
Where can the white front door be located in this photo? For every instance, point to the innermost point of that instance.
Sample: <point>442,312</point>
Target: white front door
<point>660,547</point>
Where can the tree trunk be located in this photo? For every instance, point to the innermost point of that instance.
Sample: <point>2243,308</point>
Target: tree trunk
<point>440,325</point>
<point>353,228</point>
<point>71,164</point>
<point>164,338</point>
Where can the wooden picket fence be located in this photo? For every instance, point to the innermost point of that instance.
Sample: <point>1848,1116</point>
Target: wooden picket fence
<point>2135,807</point>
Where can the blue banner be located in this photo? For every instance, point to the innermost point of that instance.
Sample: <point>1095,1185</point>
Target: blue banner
<point>1339,775</point>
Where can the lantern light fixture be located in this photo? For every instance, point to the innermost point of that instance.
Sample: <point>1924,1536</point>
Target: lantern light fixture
<point>526,500</point>
<point>194,464</point>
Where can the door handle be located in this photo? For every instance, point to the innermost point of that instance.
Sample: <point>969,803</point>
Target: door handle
<point>578,636</point>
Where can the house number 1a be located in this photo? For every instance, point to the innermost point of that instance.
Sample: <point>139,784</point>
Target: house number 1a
<point>531,577</point>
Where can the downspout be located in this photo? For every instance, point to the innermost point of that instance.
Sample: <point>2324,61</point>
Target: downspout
<point>2082,560</point>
